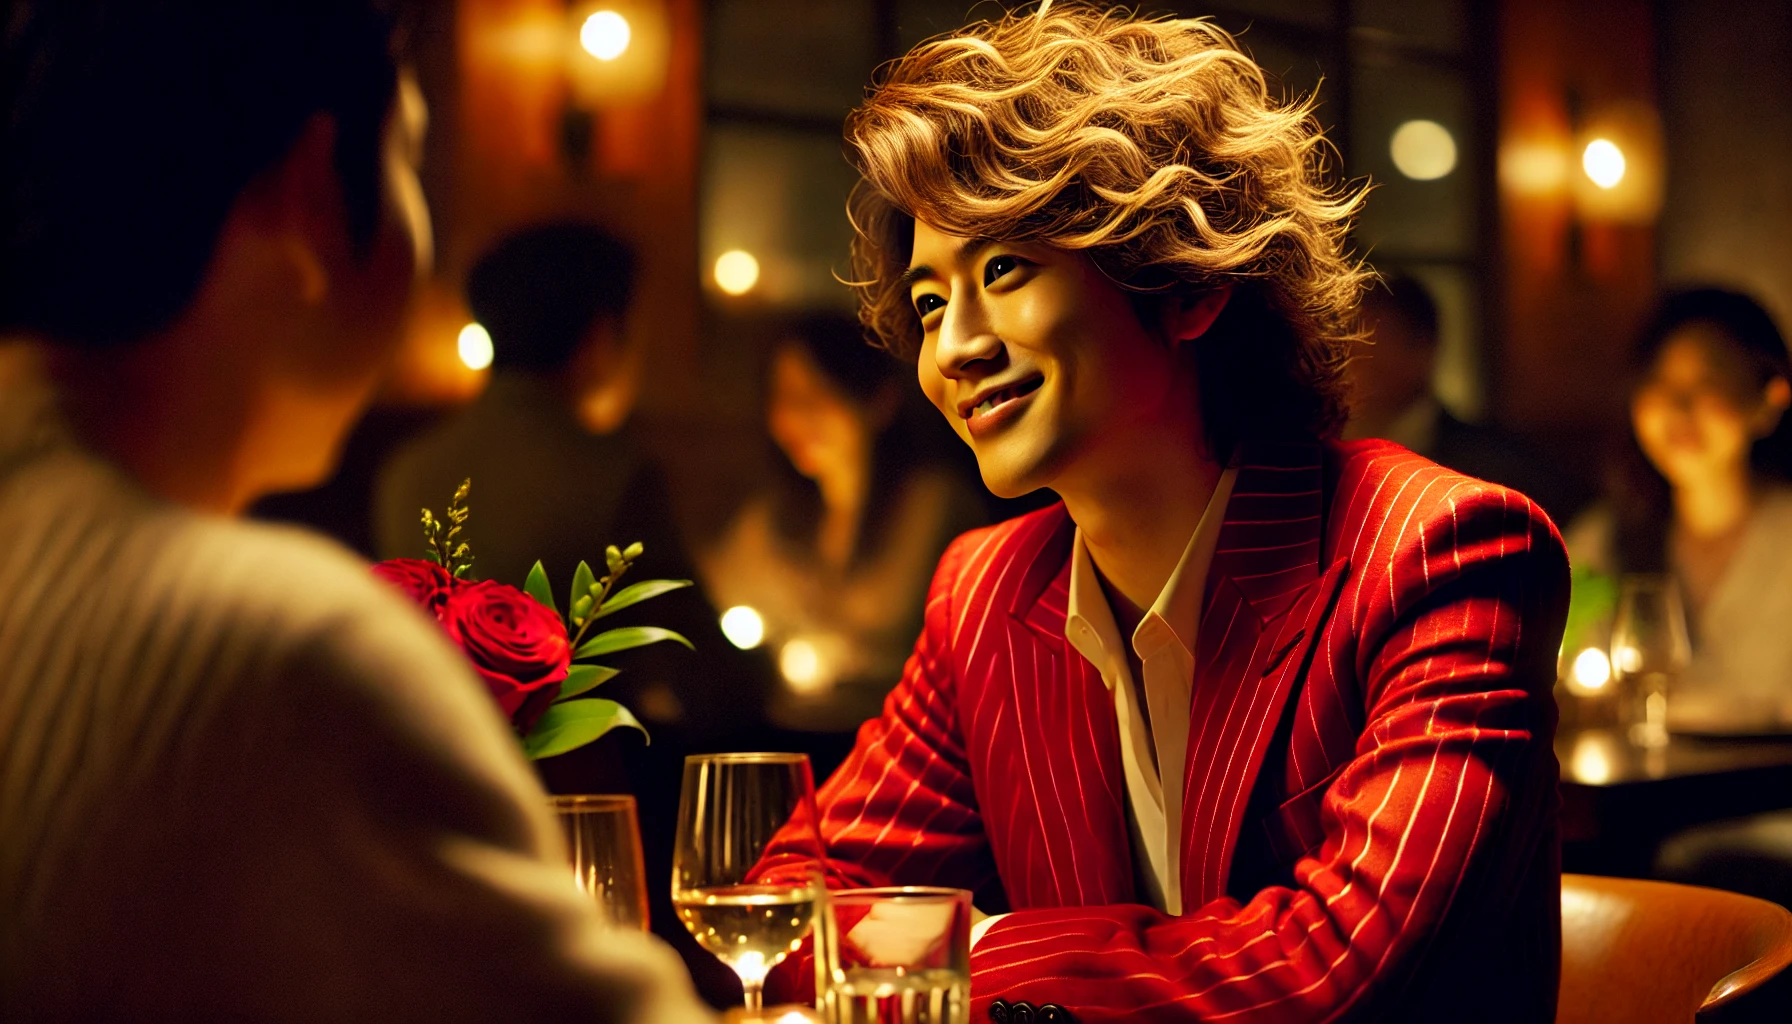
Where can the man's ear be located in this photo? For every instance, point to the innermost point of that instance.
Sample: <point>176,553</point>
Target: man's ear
<point>1184,318</point>
<point>299,202</point>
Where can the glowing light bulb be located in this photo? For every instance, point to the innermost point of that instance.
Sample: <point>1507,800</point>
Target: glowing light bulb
<point>1423,150</point>
<point>475,347</point>
<point>743,627</point>
<point>1592,670</point>
<point>737,272</point>
<point>1604,163</point>
<point>605,35</point>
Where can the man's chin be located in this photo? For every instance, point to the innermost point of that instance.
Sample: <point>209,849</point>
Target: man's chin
<point>1009,478</point>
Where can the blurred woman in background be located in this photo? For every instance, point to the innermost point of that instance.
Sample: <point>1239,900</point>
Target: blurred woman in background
<point>835,556</point>
<point>1703,496</point>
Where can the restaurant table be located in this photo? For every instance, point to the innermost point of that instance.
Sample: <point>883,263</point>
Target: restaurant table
<point>1619,800</point>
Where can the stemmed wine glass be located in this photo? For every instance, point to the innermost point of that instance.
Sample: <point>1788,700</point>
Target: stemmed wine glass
<point>748,909</point>
<point>1649,651</point>
<point>603,841</point>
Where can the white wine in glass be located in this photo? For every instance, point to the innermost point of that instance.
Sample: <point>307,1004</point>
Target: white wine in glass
<point>731,807</point>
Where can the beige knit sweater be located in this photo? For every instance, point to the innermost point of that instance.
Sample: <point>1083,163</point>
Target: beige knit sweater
<point>239,780</point>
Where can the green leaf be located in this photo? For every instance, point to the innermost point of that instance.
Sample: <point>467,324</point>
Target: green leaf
<point>637,592</point>
<point>626,638</point>
<point>575,723</point>
<point>582,581</point>
<point>537,587</point>
<point>585,677</point>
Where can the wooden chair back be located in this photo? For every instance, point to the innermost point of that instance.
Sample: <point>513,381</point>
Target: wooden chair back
<point>1639,952</point>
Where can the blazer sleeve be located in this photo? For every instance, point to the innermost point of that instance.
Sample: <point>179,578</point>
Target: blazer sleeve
<point>901,810</point>
<point>1456,630</point>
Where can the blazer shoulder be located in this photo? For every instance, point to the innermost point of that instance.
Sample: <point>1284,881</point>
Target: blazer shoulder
<point>1390,507</point>
<point>1363,476</point>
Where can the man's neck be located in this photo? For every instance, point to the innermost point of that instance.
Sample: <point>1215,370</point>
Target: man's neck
<point>1138,509</point>
<point>173,426</point>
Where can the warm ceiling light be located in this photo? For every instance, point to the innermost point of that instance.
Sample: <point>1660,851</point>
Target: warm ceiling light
<point>605,35</point>
<point>1604,163</point>
<point>1423,150</point>
<point>744,627</point>
<point>475,347</point>
<point>737,272</point>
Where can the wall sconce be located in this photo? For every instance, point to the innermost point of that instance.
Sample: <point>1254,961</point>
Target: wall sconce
<point>1618,165</point>
<point>617,51</point>
<point>1611,166</point>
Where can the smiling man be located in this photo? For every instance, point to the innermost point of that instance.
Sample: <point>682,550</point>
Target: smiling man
<point>1255,725</point>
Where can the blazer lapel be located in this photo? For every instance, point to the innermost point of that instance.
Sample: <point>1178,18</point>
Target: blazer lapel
<point>1266,601</point>
<point>1062,765</point>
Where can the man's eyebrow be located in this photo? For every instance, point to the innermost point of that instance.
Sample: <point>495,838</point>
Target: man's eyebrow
<point>967,250</point>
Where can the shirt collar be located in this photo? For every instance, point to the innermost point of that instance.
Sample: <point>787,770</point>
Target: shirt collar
<point>1173,618</point>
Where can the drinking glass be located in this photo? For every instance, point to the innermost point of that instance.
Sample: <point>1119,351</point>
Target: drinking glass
<point>898,955</point>
<point>731,807</point>
<point>603,841</point>
<point>1649,651</point>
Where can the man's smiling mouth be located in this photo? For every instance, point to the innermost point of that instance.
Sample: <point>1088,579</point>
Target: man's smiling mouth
<point>1002,396</point>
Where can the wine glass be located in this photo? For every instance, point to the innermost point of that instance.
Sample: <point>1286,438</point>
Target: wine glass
<point>603,841</point>
<point>731,808</point>
<point>1649,651</point>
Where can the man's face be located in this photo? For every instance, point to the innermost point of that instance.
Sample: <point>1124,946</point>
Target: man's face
<point>1035,357</point>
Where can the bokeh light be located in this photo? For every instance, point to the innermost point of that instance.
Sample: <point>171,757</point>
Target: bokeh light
<point>1423,150</point>
<point>1604,163</point>
<point>605,35</point>
<point>737,272</point>
<point>800,663</point>
<point>743,627</point>
<point>475,346</point>
<point>1592,670</point>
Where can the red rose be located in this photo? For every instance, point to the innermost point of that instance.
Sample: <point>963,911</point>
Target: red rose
<point>426,583</point>
<point>518,647</point>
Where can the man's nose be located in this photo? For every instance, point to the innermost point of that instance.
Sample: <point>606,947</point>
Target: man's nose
<point>968,345</point>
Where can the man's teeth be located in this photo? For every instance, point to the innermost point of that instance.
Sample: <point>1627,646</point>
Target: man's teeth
<point>986,405</point>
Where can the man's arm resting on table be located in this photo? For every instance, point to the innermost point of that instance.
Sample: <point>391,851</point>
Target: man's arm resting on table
<point>1458,718</point>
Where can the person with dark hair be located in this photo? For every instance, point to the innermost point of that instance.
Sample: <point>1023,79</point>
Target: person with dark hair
<point>836,555</point>
<point>1392,397</point>
<point>240,779</point>
<point>1700,491</point>
<point>557,472</point>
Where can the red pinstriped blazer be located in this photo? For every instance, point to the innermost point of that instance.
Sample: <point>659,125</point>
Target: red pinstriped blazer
<point>1369,828</point>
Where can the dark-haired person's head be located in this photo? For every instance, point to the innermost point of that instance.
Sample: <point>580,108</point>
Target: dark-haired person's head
<point>209,201</point>
<point>830,395</point>
<point>542,292</point>
<point>1711,388</point>
<point>555,299</point>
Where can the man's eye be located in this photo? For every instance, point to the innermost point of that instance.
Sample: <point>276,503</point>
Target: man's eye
<point>926,304</point>
<point>997,267</point>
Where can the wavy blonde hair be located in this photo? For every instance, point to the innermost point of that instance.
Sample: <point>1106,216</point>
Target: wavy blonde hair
<point>1153,146</point>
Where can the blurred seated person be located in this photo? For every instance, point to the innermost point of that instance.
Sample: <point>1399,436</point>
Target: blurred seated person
<point>836,555</point>
<point>1392,397</point>
<point>240,779</point>
<point>1701,493</point>
<point>558,471</point>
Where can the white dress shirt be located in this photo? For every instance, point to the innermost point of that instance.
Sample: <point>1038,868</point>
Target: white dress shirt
<point>1164,642</point>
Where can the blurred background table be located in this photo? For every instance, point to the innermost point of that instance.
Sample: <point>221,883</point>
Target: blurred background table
<point>1620,800</point>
